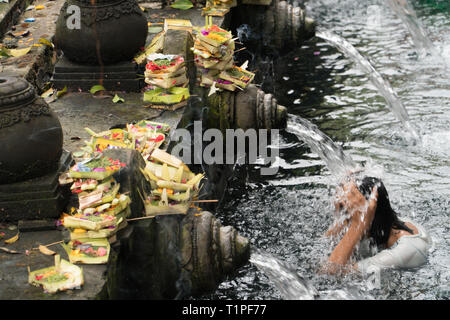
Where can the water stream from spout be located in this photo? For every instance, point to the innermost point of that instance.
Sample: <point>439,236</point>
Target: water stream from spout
<point>383,86</point>
<point>334,157</point>
<point>418,34</point>
<point>289,283</point>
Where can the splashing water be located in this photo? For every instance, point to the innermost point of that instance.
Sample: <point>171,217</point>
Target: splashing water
<point>382,85</point>
<point>293,286</point>
<point>336,160</point>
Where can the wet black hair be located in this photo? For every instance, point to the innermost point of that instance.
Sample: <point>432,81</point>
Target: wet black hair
<point>385,217</point>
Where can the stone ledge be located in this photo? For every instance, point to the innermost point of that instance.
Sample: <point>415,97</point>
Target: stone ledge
<point>37,65</point>
<point>9,12</point>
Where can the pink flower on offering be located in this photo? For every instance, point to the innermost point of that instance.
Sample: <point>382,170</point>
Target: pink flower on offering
<point>101,252</point>
<point>99,169</point>
<point>204,32</point>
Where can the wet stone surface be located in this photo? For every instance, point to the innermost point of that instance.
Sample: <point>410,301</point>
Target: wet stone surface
<point>77,111</point>
<point>14,273</point>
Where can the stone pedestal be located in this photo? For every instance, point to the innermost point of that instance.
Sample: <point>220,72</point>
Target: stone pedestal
<point>35,199</point>
<point>32,157</point>
<point>99,49</point>
<point>122,76</point>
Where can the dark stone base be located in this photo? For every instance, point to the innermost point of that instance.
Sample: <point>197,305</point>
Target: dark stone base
<point>121,76</point>
<point>36,199</point>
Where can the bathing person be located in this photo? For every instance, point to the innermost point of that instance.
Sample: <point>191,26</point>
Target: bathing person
<point>367,214</point>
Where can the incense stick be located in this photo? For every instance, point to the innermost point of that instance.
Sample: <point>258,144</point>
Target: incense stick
<point>140,218</point>
<point>48,245</point>
<point>240,49</point>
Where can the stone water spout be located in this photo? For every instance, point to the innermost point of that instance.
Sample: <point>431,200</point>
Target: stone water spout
<point>249,109</point>
<point>175,256</point>
<point>260,110</point>
<point>169,256</point>
<point>274,25</point>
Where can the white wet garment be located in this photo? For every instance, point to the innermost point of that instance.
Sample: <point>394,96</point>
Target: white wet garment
<point>410,251</point>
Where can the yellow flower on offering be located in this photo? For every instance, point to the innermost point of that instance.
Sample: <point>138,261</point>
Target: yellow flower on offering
<point>216,37</point>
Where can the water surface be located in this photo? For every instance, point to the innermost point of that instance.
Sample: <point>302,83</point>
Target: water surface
<point>285,215</point>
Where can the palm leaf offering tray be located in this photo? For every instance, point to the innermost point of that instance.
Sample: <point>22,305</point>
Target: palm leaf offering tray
<point>214,50</point>
<point>110,139</point>
<point>111,203</point>
<point>147,136</point>
<point>214,35</point>
<point>105,192</point>
<point>165,71</point>
<point>97,168</point>
<point>163,64</point>
<point>166,76</point>
<point>80,185</point>
<point>156,45</point>
<point>88,251</point>
<point>120,210</point>
<point>177,24</point>
<point>213,11</point>
<point>102,210</point>
<point>143,136</point>
<point>165,172</point>
<point>167,83</point>
<point>169,99</point>
<point>60,277</point>
<point>89,221</point>
<point>218,7</point>
<point>173,185</point>
<point>221,3</point>
<point>152,125</point>
<point>207,80</point>
<point>108,232</point>
<point>238,76</point>
<point>212,45</point>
